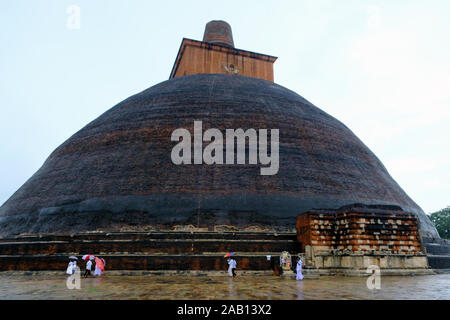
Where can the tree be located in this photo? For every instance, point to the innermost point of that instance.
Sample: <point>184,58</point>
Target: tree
<point>441,220</point>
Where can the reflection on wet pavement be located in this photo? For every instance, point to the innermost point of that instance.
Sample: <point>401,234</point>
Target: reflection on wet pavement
<point>222,287</point>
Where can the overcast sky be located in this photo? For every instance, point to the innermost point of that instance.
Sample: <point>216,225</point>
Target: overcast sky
<point>380,67</point>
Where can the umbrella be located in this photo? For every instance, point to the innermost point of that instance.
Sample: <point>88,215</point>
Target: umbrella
<point>88,256</point>
<point>100,263</point>
<point>229,254</point>
<point>73,258</point>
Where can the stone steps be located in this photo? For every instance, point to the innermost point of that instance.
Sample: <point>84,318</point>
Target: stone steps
<point>438,253</point>
<point>116,261</point>
<point>147,251</point>
<point>122,254</point>
<point>151,246</point>
<point>437,249</point>
<point>439,261</point>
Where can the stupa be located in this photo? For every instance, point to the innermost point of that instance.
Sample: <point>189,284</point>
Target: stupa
<point>116,174</point>
<point>117,170</point>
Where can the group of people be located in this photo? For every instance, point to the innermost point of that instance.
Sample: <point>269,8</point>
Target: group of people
<point>72,267</point>
<point>98,269</point>
<point>275,267</point>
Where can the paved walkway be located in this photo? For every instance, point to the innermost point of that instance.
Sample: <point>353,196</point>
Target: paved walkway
<point>48,286</point>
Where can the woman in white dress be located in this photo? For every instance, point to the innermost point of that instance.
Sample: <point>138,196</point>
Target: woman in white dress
<point>97,271</point>
<point>71,267</point>
<point>299,269</point>
<point>99,266</point>
<point>232,266</point>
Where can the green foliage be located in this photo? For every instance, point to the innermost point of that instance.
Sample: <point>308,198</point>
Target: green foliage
<point>441,220</point>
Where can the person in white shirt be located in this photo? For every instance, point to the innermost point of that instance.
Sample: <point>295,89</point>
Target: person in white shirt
<point>232,267</point>
<point>88,268</point>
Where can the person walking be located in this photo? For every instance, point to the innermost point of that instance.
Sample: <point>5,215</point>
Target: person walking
<point>99,266</point>
<point>232,267</point>
<point>71,268</point>
<point>299,269</point>
<point>88,268</point>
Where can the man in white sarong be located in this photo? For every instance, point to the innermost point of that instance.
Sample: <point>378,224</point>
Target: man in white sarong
<point>299,269</point>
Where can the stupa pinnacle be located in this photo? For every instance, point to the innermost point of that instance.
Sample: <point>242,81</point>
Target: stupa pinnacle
<point>218,32</point>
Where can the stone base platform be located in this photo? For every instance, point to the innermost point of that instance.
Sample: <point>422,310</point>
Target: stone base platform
<point>352,239</point>
<point>163,251</point>
<point>364,273</point>
<point>194,253</point>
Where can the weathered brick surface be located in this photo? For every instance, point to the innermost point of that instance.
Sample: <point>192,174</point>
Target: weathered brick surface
<point>197,57</point>
<point>117,173</point>
<point>360,229</point>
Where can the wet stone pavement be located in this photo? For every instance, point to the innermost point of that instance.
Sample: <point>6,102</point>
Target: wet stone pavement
<point>45,286</point>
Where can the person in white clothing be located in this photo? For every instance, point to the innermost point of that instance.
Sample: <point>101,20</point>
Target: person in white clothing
<point>299,269</point>
<point>232,267</point>
<point>71,267</point>
<point>88,268</point>
<point>97,271</point>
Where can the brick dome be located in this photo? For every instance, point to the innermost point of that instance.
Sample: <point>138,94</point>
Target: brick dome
<point>117,173</point>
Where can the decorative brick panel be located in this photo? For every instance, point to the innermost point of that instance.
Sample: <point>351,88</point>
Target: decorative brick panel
<point>360,228</point>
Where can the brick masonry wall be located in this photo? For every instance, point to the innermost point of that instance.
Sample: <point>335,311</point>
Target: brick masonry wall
<point>196,57</point>
<point>359,229</point>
